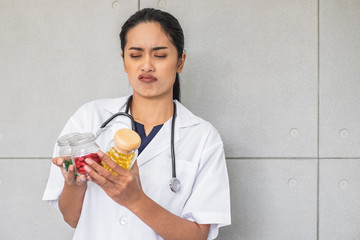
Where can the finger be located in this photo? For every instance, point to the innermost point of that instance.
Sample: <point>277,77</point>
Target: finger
<point>100,170</point>
<point>80,179</point>
<point>113,166</point>
<point>135,168</point>
<point>58,161</point>
<point>70,175</point>
<point>96,178</point>
<point>132,164</point>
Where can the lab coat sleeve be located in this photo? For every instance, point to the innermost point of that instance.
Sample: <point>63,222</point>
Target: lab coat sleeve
<point>55,182</point>
<point>209,202</point>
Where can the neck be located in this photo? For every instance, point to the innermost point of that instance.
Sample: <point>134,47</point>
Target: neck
<point>152,111</point>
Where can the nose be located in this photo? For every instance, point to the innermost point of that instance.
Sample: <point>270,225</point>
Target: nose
<point>147,65</point>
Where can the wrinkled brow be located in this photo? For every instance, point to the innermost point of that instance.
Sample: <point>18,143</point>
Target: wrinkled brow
<point>153,49</point>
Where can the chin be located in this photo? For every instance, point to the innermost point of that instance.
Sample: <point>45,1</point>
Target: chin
<point>146,94</point>
<point>151,95</point>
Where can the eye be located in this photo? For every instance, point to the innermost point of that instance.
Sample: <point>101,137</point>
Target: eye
<point>160,56</point>
<point>135,56</point>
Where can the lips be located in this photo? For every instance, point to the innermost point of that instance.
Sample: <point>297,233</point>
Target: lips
<point>147,78</point>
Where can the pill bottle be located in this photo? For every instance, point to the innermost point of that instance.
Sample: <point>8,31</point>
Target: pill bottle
<point>124,151</point>
<point>83,146</point>
<point>63,143</point>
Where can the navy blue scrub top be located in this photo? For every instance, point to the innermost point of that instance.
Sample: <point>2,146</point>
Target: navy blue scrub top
<point>145,140</point>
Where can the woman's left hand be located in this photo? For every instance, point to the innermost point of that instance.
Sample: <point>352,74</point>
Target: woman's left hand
<point>125,188</point>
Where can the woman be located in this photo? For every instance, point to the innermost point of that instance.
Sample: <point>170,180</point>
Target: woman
<point>139,204</point>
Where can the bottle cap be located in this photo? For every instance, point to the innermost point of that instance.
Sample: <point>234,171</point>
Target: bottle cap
<point>65,139</point>
<point>126,140</point>
<point>82,138</point>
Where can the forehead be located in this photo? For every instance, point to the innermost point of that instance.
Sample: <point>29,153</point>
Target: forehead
<point>149,34</point>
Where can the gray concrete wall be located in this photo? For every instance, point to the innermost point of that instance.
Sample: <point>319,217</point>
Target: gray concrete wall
<point>279,79</point>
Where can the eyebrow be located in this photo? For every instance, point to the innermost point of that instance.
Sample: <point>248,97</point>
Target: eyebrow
<point>153,49</point>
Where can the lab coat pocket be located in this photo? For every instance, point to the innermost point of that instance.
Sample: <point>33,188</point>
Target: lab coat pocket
<point>155,178</point>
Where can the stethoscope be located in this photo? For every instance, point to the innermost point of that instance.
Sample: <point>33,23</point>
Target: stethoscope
<point>174,183</point>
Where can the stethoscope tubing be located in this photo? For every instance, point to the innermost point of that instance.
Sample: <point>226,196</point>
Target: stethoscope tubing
<point>172,143</point>
<point>119,114</point>
<point>174,182</point>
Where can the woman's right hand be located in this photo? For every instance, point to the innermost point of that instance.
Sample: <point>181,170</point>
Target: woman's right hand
<point>69,176</point>
<point>72,196</point>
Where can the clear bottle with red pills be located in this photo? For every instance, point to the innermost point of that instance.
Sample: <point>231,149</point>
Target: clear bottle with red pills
<point>83,146</point>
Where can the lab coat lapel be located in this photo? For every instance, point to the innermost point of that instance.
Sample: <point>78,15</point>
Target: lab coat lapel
<point>160,143</point>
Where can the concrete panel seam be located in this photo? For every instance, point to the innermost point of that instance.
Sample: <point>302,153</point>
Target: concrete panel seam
<point>318,125</point>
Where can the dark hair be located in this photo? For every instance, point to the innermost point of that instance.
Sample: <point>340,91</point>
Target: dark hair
<point>169,24</point>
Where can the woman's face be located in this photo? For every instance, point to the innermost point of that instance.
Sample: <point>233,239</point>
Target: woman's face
<point>151,60</point>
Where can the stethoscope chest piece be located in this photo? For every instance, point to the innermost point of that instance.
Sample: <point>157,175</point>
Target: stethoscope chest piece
<point>175,185</point>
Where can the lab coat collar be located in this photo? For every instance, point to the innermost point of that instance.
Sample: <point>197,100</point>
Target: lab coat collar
<point>116,104</point>
<point>184,117</point>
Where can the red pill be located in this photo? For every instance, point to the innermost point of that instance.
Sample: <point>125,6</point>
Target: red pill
<point>80,161</point>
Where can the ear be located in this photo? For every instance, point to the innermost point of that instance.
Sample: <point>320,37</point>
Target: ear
<point>181,63</point>
<point>122,56</point>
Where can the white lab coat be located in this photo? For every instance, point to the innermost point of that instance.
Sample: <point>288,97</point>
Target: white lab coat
<point>200,166</point>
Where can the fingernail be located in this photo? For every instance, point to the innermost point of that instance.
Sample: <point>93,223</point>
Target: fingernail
<point>87,168</point>
<point>100,153</point>
<point>59,161</point>
<point>88,161</point>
